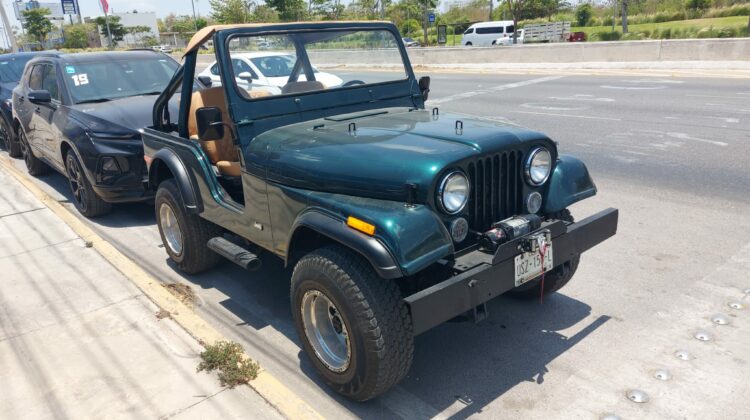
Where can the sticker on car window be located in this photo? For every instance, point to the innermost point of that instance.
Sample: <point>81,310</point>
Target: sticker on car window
<point>80,79</point>
<point>70,69</point>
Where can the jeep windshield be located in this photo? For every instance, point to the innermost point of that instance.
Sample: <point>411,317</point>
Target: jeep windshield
<point>313,61</point>
<point>107,80</point>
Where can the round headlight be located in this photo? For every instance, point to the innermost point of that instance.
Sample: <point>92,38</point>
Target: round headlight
<point>538,166</point>
<point>454,192</point>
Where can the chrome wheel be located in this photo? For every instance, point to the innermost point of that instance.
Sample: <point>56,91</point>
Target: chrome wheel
<point>171,229</point>
<point>76,181</point>
<point>326,331</point>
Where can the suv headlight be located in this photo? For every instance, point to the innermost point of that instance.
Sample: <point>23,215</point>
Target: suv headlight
<point>453,193</point>
<point>538,166</point>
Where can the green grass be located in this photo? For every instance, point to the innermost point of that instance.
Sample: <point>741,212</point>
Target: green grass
<point>228,358</point>
<point>736,22</point>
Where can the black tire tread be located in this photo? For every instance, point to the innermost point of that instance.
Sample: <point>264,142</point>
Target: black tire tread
<point>36,167</point>
<point>95,206</point>
<point>196,231</point>
<point>380,311</point>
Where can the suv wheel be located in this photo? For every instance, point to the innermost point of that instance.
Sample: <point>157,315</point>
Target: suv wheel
<point>353,324</point>
<point>12,146</point>
<point>85,198</point>
<point>184,234</point>
<point>553,280</point>
<point>33,164</point>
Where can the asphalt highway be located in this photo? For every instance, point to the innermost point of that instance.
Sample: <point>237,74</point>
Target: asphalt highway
<point>671,153</point>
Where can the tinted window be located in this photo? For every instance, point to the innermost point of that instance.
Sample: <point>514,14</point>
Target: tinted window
<point>240,66</point>
<point>509,29</point>
<point>469,31</point>
<point>35,79</point>
<point>12,69</point>
<point>96,81</point>
<point>215,69</point>
<point>49,81</point>
<point>490,30</point>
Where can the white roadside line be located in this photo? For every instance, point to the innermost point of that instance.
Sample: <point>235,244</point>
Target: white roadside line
<point>498,88</point>
<point>567,115</point>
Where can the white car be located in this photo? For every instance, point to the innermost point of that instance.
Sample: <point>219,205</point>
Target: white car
<point>508,39</point>
<point>483,34</point>
<point>266,71</point>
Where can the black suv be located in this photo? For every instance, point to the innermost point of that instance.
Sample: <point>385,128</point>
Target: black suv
<point>11,70</point>
<point>80,114</point>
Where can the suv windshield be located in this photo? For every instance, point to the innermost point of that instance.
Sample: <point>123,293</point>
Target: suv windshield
<point>337,59</point>
<point>106,80</point>
<point>12,69</point>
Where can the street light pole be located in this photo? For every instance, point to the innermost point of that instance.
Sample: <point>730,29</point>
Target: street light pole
<point>195,19</point>
<point>8,30</point>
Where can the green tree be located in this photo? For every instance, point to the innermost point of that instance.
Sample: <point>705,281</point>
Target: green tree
<point>37,25</point>
<point>118,31</point>
<point>697,5</point>
<point>264,13</point>
<point>138,32</point>
<point>289,9</point>
<point>583,14</point>
<point>77,36</point>
<point>231,11</point>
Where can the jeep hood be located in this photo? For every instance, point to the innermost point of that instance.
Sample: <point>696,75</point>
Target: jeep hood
<point>376,153</point>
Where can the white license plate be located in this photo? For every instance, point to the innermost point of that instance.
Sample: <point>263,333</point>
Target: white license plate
<point>529,264</point>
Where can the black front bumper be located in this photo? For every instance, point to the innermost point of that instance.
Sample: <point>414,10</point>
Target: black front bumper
<point>482,276</point>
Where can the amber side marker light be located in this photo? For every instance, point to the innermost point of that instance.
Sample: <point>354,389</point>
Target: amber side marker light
<point>360,225</point>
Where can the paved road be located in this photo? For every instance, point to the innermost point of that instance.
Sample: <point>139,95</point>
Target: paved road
<point>671,154</point>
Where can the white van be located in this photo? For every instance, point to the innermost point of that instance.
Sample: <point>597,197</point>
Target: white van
<point>484,33</point>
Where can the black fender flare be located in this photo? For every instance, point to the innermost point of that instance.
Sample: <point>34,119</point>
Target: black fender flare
<point>190,194</point>
<point>367,246</point>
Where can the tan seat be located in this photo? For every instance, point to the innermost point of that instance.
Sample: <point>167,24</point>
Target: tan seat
<point>222,152</point>
<point>301,87</point>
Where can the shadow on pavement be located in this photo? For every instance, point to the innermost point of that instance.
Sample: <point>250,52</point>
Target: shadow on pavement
<point>455,363</point>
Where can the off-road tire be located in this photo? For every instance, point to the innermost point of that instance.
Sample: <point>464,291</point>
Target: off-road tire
<point>378,321</point>
<point>553,280</point>
<point>86,201</point>
<point>34,165</point>
<point>195,256</point>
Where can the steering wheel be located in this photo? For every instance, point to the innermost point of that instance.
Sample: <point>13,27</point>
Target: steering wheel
<point>352,83</point>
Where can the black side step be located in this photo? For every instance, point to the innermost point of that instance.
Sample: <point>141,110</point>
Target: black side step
<point>235,253</point>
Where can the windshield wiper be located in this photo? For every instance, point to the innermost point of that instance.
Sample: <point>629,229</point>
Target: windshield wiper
<point>156,92</point>
<point>91,101</point>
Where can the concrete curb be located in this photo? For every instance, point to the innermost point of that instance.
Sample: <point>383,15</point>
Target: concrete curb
<point>267,386</point>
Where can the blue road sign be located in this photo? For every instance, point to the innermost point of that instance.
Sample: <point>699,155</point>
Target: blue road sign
<point>431,17</point>
<point>70,7</point>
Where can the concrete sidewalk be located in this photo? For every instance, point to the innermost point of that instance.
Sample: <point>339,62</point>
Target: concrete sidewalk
<point>78,340</point>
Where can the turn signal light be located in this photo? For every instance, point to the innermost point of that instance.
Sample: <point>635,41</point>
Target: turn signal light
<point>360,225</point>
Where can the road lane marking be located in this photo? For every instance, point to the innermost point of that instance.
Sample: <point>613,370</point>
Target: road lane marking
<point>498,88</point>
<point>714,96</point>
<point>289,404</point>
<point>566,115</point>
<point>684,136</point>
<point>554,107</point>
<point>633,87</point>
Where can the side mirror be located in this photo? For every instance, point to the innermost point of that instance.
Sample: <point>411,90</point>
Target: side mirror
<point>245,75</point>
<point>210,123</point>
<point>424,86</point>
<point>206,80</point>
<point>39,96</point>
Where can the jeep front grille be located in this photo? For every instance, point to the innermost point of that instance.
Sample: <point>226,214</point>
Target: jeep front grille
<point>496,190</point>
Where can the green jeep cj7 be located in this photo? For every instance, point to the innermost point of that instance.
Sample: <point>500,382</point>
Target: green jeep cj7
<point>396,218</point>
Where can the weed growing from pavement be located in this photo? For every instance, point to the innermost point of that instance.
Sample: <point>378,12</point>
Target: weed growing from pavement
<point>229,360</point>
